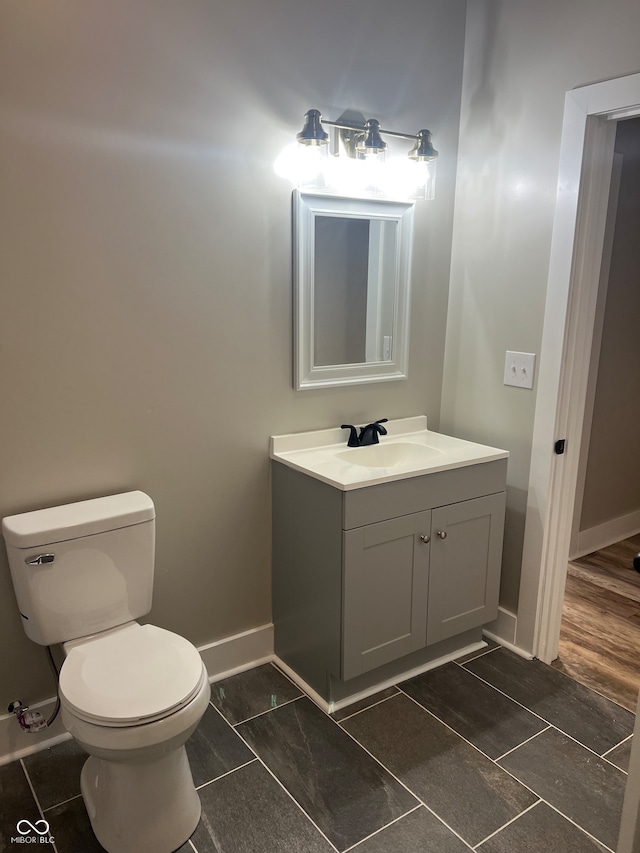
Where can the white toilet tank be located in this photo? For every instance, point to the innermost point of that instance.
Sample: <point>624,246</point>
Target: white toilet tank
<point>83,567</point>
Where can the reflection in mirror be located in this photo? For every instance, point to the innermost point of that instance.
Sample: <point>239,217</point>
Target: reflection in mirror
<point>351,290</point>
<point>353,310</point>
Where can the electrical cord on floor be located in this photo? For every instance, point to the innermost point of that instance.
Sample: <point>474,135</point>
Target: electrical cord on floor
<point>57,675</point>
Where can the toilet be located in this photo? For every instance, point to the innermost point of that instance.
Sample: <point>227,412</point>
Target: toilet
<point>130,694</point>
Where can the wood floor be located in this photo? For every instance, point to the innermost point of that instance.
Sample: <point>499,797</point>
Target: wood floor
<point>600,632</point>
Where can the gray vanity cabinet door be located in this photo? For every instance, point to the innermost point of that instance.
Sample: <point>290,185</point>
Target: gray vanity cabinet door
<point>386,568</point>
<point>464,577</point>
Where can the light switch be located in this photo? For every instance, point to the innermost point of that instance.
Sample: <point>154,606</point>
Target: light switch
<point>519,368</point>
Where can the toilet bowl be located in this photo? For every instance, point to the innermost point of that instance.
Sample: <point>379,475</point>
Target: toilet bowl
<point>130,694</point>
<point>131,697</point>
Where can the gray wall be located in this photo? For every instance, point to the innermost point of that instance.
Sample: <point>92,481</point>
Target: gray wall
<point>145,305</point>
<point>520,59</point>
<point>612,481</point>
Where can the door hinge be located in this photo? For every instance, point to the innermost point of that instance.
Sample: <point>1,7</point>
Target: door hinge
<point>559,446</point>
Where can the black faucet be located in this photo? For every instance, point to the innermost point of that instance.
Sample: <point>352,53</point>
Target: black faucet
<point>368,434</point>
<point>353,435</point>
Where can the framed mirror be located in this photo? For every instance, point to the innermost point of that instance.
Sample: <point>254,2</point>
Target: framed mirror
<point>352,265</point>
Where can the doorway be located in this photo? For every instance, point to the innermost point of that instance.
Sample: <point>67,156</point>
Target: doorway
<point>600,628</point>
<point>584,180</point>
<point>591,117</point>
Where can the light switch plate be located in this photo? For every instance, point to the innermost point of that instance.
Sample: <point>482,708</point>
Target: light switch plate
<point>519,369</point>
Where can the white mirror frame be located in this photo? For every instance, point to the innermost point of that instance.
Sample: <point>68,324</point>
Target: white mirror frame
<point>306,207</point>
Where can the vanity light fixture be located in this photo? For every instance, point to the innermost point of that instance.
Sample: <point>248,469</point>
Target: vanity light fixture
<point>364,140</point>
<point>357,167</point>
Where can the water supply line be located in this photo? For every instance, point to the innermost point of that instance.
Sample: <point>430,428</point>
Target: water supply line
<point>33,721</point>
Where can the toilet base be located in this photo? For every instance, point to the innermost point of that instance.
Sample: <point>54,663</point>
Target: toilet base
<point>135,807</point>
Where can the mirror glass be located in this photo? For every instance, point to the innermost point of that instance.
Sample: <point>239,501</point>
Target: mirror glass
<point>352,270</point>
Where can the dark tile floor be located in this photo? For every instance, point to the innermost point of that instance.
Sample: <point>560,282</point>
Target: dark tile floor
<point>493,754</point>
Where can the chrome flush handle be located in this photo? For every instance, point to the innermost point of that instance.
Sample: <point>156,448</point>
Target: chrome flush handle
<point>40,560</point>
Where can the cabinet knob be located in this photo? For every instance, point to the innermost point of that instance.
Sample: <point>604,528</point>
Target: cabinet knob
<point>442,534</point>
<point>425,538</point>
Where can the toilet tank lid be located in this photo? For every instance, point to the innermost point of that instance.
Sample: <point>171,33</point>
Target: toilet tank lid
<point>71,521</point>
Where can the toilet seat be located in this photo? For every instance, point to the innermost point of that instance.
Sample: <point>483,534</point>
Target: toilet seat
<point>134,675</point>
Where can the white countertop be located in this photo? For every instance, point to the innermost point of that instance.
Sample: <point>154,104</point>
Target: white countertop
<point>324,454</point>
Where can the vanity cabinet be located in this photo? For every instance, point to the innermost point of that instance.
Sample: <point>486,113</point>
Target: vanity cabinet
<point>367,576</point>
<point>419,579</point>
<point>386,577</point>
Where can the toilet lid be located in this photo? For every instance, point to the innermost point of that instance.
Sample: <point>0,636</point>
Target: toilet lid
<point>132,675</point>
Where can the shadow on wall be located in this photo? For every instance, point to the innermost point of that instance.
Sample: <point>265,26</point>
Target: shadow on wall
<point>483,107</point>
<point>512,550</point>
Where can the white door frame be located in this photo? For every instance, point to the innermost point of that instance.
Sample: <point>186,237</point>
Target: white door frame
<point>586,156</point>
<point>578,543</point>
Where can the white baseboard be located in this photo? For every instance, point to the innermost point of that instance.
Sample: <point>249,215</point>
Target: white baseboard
<point>302,684</point>
<point>330,707</point>
<point>602,535</point>
<point>222,658</point>
<point>502,629</point>
<point>239,652</point>
<point>507,645</point>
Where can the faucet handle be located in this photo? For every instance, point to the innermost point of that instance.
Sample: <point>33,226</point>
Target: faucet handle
<point>353,435</point>
<point>369,433</point>
<point>375,427</point>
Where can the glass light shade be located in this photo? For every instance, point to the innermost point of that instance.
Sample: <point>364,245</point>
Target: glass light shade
<point>312,165</point>
<point>303,165</point>
<point>424,180</point>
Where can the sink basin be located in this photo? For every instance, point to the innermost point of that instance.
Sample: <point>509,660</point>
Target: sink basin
<point>388,455</point>
<point>408,450</point>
